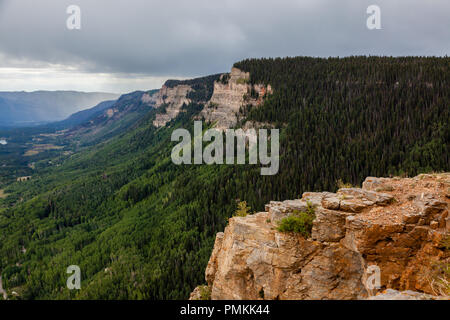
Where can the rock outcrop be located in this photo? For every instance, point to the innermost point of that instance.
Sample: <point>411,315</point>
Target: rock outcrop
<point>171,99</point>
<point>232,92</point>
<point>391,234</point>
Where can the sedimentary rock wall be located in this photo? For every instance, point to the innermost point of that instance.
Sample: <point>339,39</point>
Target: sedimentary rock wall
<point>172,99</point>
<point>399,225</point>
<point>227,99</point>
<point>223,108</point>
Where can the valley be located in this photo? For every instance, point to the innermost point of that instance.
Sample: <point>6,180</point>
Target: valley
<point>38,148</point>
<point>25,148</point>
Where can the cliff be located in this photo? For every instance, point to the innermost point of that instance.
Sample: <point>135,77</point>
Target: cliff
<point>230,93</point>
<point>392,230</point>
<point>172,99</point>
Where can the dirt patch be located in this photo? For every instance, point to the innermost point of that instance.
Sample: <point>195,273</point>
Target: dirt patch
<point>40,148</point>
<point>408,194</point>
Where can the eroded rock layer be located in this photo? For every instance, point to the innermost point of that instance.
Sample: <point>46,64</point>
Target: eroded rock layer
<point>230,95</point>
<point>171,100</point>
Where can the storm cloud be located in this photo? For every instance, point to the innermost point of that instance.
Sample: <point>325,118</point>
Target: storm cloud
<point>154,40</point>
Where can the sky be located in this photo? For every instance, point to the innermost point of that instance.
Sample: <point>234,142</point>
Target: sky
<point>127,45</point>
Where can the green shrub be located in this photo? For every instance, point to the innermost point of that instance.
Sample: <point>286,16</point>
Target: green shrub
<point>341,184</point>
<point>205,293</point>
<point>242,209</point>
<point>299,222</point>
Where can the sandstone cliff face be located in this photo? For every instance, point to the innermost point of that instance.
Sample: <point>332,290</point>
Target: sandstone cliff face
<point>397,225</point>
<point>172,99</point>
<point>223,108</point>
<point>228,98</point>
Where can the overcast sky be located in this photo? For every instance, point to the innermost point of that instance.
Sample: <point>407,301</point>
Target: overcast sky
<point>125,45</point>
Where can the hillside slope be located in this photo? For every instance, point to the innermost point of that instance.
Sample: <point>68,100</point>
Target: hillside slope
<point>84,115</point>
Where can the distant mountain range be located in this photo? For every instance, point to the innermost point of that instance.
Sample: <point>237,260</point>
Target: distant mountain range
<point>85,115</point>
<point>29,108</point>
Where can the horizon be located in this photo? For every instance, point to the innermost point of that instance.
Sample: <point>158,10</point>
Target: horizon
<point>86,107</point>
<point>199,76</point>
<point>53,49</point>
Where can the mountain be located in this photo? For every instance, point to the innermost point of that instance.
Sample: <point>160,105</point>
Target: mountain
<point>24,108</point>
<point>164,104</point>
<point>84,115</point>
<point>13,110</point>
<point>113,118</point>
<point>141,227</point>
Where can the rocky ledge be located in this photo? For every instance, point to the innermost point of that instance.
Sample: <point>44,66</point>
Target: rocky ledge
<point>392,233</point>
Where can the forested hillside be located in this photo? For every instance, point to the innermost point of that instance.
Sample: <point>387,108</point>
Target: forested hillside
<point>355,117</point>
<point>141,227</point>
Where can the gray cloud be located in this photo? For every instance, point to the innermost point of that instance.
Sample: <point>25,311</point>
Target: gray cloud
<point>189,38</point>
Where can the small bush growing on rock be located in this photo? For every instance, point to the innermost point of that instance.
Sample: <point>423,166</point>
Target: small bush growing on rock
<point>340,184</point>
<point>310,208</point>
<point>299,222</point>
<point>205,293</point>
<point>242,209</point>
